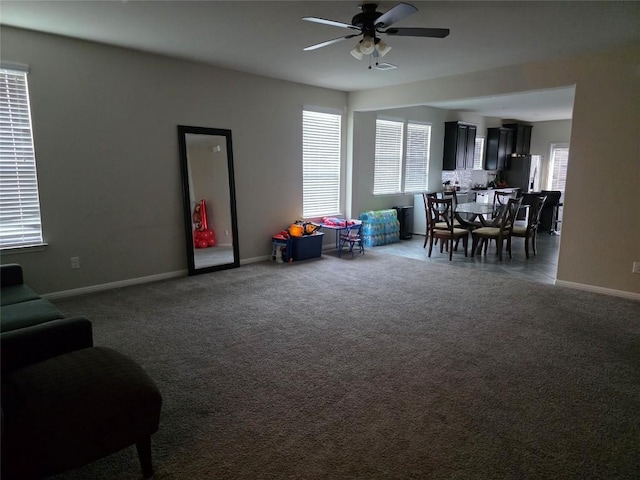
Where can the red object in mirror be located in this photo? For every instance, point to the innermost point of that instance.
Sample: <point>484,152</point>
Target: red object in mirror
<point>202,236</point>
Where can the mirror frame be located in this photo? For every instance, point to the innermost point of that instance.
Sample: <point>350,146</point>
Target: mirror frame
<point>183,130</point>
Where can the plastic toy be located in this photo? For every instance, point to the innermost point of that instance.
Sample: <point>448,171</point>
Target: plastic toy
<point>203,237</point>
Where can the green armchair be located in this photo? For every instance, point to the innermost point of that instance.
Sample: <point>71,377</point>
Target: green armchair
<point>65,402</point>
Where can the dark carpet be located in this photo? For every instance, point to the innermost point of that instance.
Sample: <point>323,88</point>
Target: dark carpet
<point>377,367</point>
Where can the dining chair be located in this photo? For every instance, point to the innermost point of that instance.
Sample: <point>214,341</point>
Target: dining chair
<point>351,236</point>
<point>441,212</point>
<point>454,197</point>
<point>430,221</point>
<point>528,232</point>
<point>500,200</point>
<point>500,232</point>
<point>433,223</point>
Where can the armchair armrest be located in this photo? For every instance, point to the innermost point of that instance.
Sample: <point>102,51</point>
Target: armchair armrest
<point>29,345</point>
<point>11,274</point>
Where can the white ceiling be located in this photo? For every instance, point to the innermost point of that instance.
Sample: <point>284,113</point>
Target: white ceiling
<point>267,38</point>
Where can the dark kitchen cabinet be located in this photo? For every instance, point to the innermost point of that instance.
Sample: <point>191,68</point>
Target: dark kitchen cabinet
<point>498,150</point>
<point>459,145</point>
<point>521,141</point>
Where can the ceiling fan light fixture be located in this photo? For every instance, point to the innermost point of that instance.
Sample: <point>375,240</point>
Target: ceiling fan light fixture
<point>382,48</point>
<point>367,45</point>
<point>356,53</point>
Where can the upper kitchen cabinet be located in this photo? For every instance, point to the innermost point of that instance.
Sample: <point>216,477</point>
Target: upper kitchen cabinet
<point>498,150</point>
<point>459,145</point>
<point>521,141</point>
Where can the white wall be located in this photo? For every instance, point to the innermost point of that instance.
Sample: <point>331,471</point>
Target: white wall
<point>105,127</point>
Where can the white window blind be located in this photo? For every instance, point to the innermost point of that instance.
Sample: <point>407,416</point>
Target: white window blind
<point>477,153</point>
<point>321,143</point>
<point>559,162</point>
<point>20,223</point>
<point>388,156</point>
<point>417,158</point>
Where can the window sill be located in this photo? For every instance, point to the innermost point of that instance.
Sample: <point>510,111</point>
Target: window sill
<point>40,247</point>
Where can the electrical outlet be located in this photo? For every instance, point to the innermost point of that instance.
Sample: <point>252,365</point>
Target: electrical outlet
<point>636,267</point>
<point>75,262</point>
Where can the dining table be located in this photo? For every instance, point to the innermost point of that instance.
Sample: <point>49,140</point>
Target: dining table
<point>467,213</point>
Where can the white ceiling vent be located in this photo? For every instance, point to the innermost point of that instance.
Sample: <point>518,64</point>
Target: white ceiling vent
<point>385,66</point>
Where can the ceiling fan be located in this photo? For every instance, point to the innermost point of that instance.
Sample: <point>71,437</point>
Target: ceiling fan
<point>369,23</point>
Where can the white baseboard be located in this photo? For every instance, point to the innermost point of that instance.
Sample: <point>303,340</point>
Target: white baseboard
<point>135,281</point>
<point>604,291</point>
<point>111,285</point>
<point>246,261</point>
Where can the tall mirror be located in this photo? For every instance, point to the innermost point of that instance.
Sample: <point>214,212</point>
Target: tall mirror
<point>208,188</point>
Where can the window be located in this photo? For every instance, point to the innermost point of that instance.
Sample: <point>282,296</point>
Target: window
<point>417,165</point>
<point>388,157</point>
<point>391,149</point>
<point>321,142</point>
<point>558,166</point>
<point>477,153</point>
<point>20,223</point>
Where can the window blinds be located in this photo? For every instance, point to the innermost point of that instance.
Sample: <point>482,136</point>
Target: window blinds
<point>477,153</point>
<point>321,143</point>
<point>20,223</point>
<point>417,159</point>
<point>559,160</point>
<point>388,156</point>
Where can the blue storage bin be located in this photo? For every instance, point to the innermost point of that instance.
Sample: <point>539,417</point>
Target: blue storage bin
<point>308,246</point>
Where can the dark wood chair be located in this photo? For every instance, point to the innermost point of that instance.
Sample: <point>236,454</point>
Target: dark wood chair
<point>454,198</point>
<point>440,212</point>
<point>457,221</point>
<point>425,196</point>
<point>500,232</point>
<point>528,232</point>
<point>500,200</point>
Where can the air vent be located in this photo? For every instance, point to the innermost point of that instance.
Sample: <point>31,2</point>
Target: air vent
<point>385,66</point>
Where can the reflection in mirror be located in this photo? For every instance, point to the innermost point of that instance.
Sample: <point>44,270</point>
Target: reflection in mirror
<point>209,198</point>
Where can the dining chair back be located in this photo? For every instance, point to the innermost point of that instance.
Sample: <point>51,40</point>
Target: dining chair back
<point>351,236</point>
<point>500,231</point>
<point>500,199</point>
<point>440,212</point>
<point>529,231</point>
<point>450,194</point>
<point>430,221</point>
<point>454,197</point>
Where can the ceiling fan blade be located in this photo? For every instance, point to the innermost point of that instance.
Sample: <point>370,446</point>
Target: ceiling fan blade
<point>394,15</point>
<point>417,32</point>
<point>330,22</point>
<point>329,42</point>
